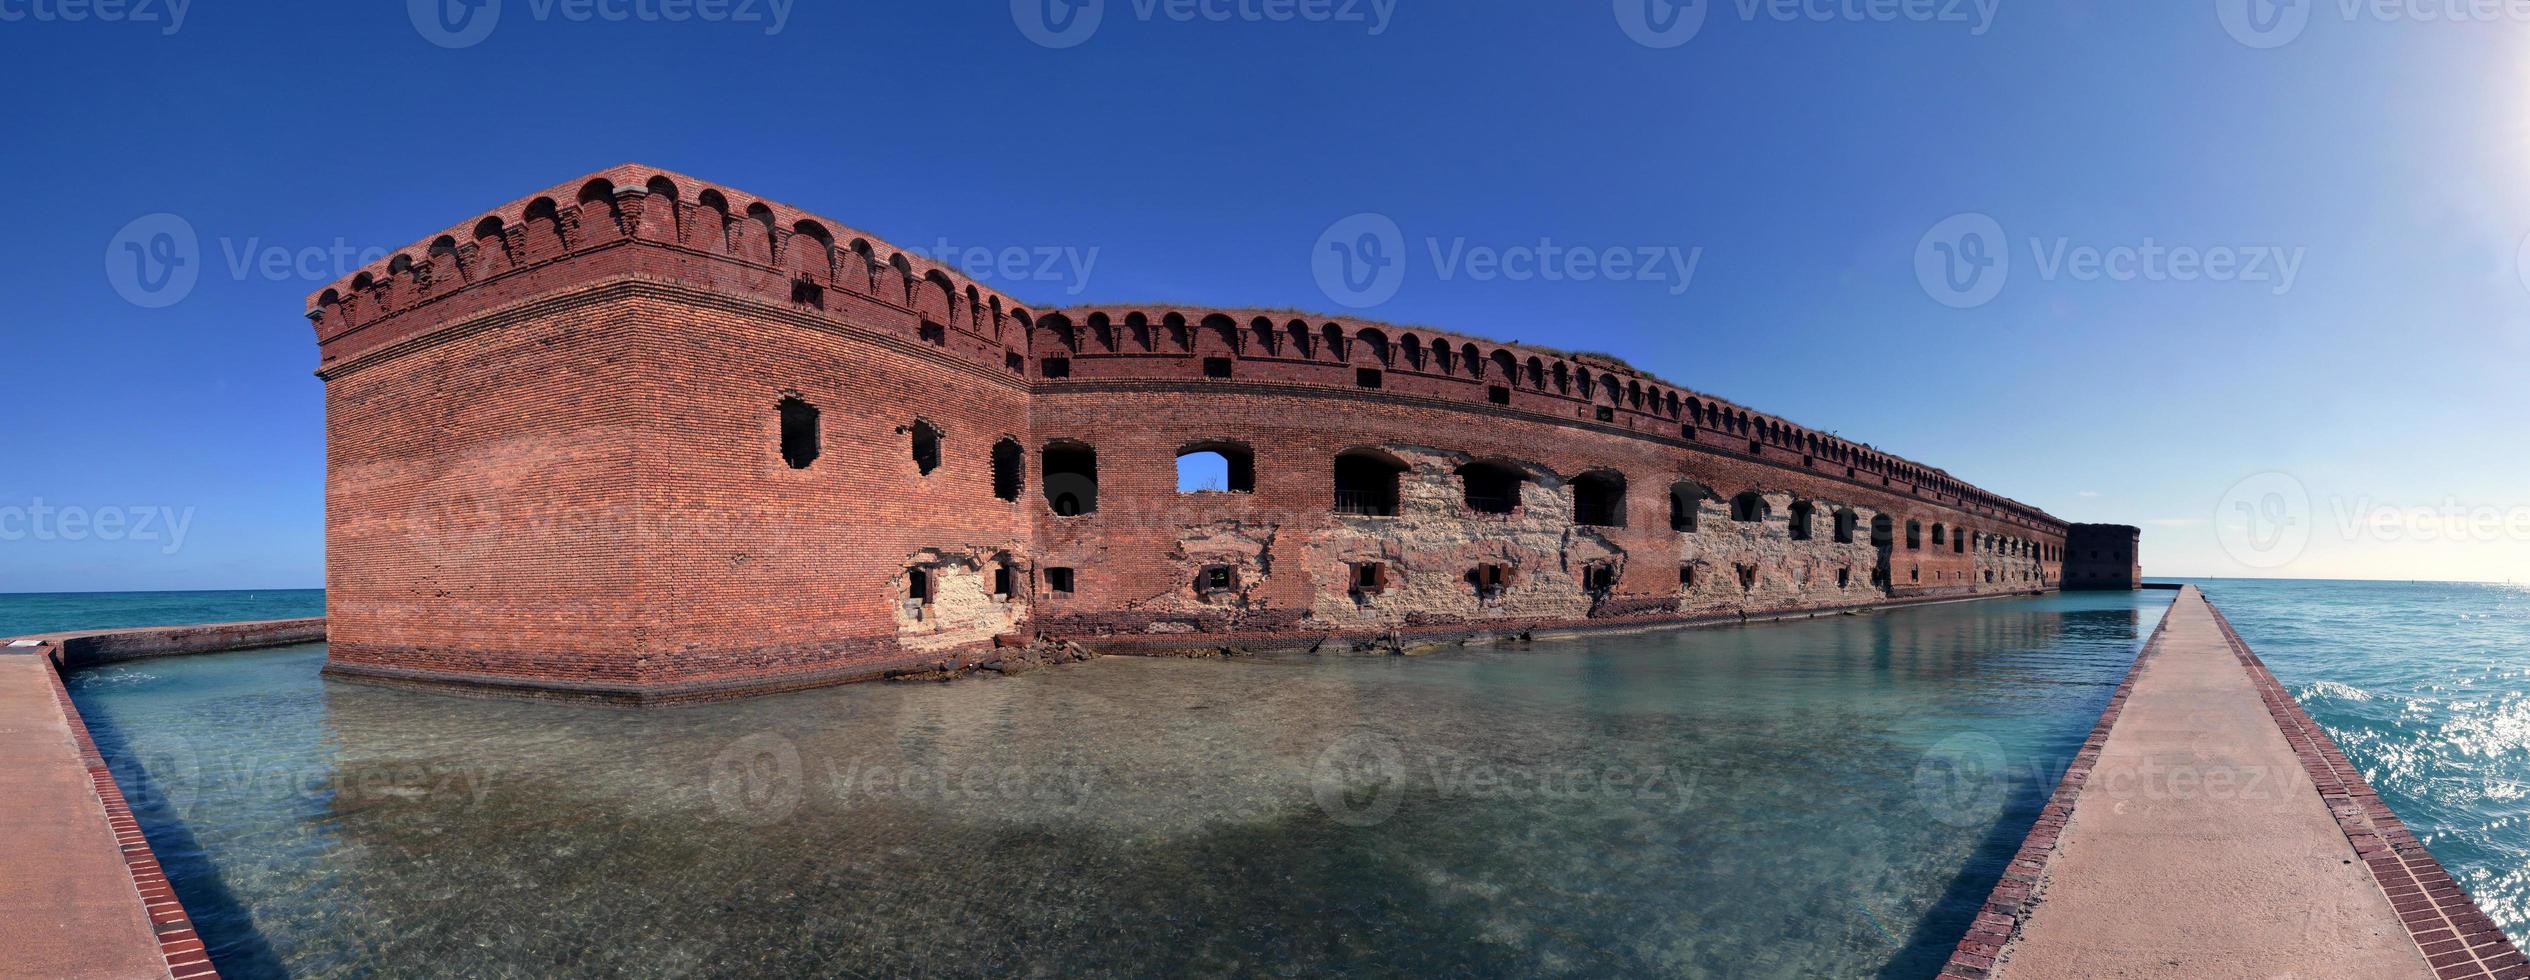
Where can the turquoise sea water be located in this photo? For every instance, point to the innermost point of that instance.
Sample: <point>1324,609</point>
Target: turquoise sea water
<point>22,613</point>
<point>2427,688</point>
<point>1824,798</point>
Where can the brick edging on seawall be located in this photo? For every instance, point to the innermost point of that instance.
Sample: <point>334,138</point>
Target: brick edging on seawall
<point>187,958</point>
<point>181,948</point>
<point>2008,904</point>
<point>2455,936</point>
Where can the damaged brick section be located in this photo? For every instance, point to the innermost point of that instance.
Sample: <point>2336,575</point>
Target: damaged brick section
<point>950,600</point>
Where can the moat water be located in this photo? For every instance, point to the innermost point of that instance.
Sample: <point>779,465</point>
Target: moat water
<point>1824,798</point>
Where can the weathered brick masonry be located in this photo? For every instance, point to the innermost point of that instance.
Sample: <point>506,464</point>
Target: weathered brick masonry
<point>646,438</point>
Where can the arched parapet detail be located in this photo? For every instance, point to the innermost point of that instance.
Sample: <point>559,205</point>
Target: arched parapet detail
<point>1056,335</point>
<point>936,298</point>
<point>810,251</point>
<point>711,225</point>
<point>1219,336</point>
<point>1370,347</point>
<point>598,217</point>
<point>753,238</point>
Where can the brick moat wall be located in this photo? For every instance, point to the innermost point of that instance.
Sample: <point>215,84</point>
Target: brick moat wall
<point>644,437</point>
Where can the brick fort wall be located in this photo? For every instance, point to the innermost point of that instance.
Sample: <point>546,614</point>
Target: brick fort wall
<point>642,437</point>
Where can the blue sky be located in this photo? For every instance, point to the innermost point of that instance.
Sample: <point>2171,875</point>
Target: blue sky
<point>1199,152</point>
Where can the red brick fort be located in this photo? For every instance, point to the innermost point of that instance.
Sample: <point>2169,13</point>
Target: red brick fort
<point>643,437</point>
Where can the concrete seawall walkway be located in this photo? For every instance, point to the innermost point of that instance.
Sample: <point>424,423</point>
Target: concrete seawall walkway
<point>81,894</point>
<point>2192,839</point>
<point>69,905</point>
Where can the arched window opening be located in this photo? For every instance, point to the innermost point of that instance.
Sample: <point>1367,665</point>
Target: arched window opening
<point>1914,535</point>
<point>1801,513</point>
<point>799,433</point>
<point>1938,538</point>
<point>1749,508</point>
<point>1366,483</point>
<point>926,447</point>
<point>1598,499</point>
<point>1883,532</point>
<point>1216,467</point>
<point>1071,478</point>
<point>1686,499</point>
<point>1492,488</point>
<point>1009,460</point>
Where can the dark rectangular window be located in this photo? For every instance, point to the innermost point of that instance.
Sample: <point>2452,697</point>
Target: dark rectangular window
<point>1686,432</point>
<point>1498,395</point>
<point>1370,577</point>
<point>1686,576</point>
<point>800,443</point>
<point>1216,367</point>
<point>1844,577</point>
<point>935,333</point>
<point>1607,413</point>
<point>1059,580</point>
<point>1367,377</point>
<point>1216,578</point>
<point>1055,367</point>
<point>1016,363</point>
<point>806,293</point>
<point>1001,581</point>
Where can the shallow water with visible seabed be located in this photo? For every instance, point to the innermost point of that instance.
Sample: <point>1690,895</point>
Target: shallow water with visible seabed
<point>1831,797</point>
